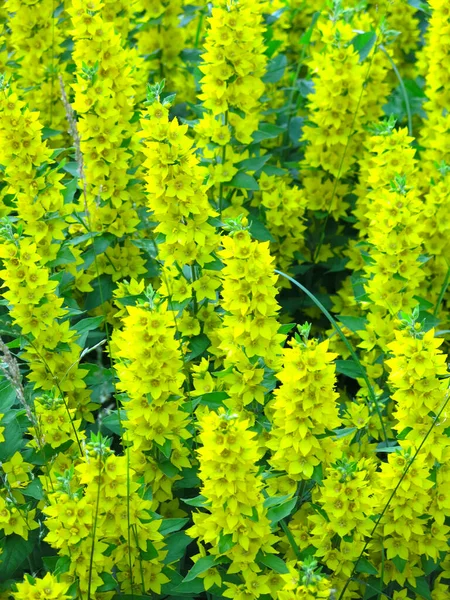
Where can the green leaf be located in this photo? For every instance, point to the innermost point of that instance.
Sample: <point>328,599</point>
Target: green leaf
<point>280,512</point>
<point>213,399</point>
<point>275,69</point>
<point>112,422</point>
<point>419,5</point>
<point>296,129</point>
<point>372,588</point>
<point>168,468</point>
<point>72,168</point>
<point>189,587</point>
<point>202,565</point>
<point>353,323</point>
<point>197,501</point>
<point>7,396</point>
<point>364,566</point>
<point>84,326</point>
<point>47,132</point>
<point>317,475</point>
<point>340,433</point>
<point>103,291</point>
<point>109,583</point>
<point>267,131</point>
<point>253,164</point>
<point>198,345</point>
<point>349,368</point>
<point>422,588</point>
<point>286,328</point>
<point>260,232</point>
<point>176,545</point>
<point>70,190</point>
<point>171,525</point>
<point>244,181</point>
<point>336,264</point>
<point>388,446</point>
<point>225,542</point>
<point>150,553</point>
<point>99,244</point>
<point>363,43</point>
<point>64,257</point>
<point>148,245</point>
<point>62,565</point>
<point>130,597</point>
<point>273,562</point>
<point>400,563</point>
<point>306,37</point>
<point>13,440</point>
<point>15,552</point>
<point>34,490</point>
<point>189,479</point>
<point>428,565</point>
<point>276,500</point>
<point>271,170</point>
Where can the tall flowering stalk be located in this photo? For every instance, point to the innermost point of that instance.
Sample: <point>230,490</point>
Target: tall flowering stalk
<point>149,366</point>
<point>435,66</point>
<point>96,508</point>
<point>36,32</point>
<point>36,191</point>
<point>104,101</point>
<point>231,87</point>
<point>303,409</point>
<point>233,493</point>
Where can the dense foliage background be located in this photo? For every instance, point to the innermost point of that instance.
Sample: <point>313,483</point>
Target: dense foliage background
<point>224,248</point>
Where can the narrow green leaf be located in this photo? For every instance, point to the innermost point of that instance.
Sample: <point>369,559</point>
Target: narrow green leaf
<point>197,501</point>
<point>197,346</point>
<point>340,433</point>
<point>171,525</point>
<point>34,490</point>
<point>47,132</point>
<point>400,563</point>
<point>422,588</point>
<point>273,562</point>
<point>213,399</point>
<point>225,542</point>
<point>275,69</point>
<point>364,566</point>
<point>253,164</point>
<point>353,323</point>
<point>267,131</point>
<point>276,500</point>
<point>244,181</point>
<point>176,545</point>
<point>280,512</point>
<point>14,553</point>
<point>349,368</point>
<point>112,422</point>
<point>259,231</point>
<point>363,43</point>
<point>202,565</point>
<point>7,396</point>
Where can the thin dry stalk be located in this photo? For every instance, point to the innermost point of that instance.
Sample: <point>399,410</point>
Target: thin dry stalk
<point>10,369</point>
<point>73,130</point>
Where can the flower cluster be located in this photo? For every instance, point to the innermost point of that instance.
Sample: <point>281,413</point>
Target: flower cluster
<point>224,299</point>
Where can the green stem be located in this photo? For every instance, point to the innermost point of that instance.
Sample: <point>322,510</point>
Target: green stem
<point>199,28</point>
<point>94,528</point>
<point>402,87</point>
<point>291,540</point>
